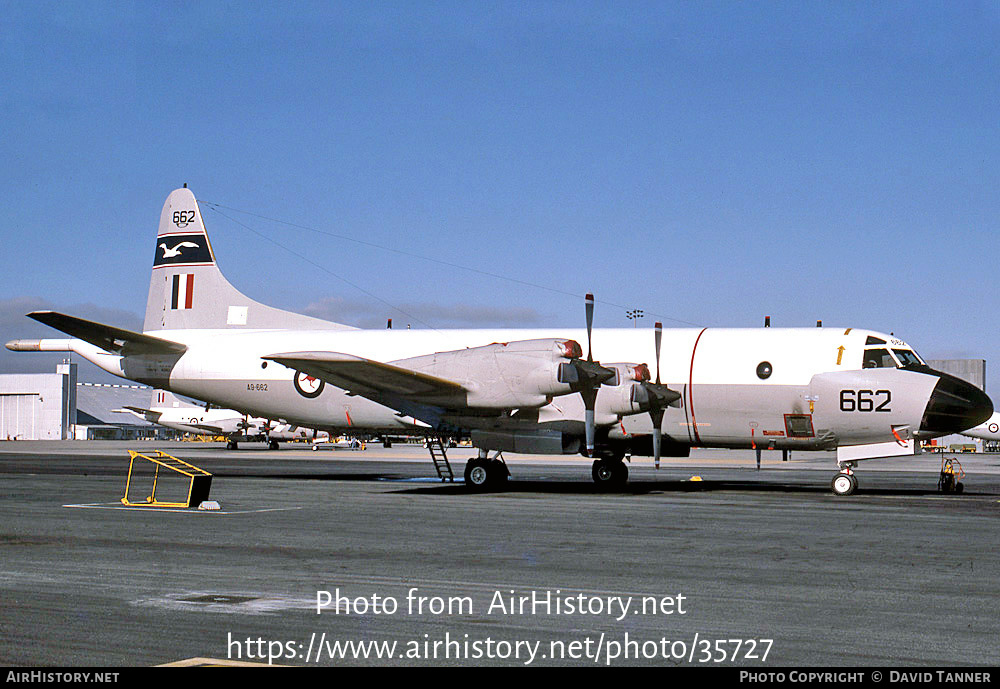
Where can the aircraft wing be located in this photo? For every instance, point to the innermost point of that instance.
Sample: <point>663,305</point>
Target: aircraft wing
<point>365,376</point>
<point>107,337</point>
<point>214,430</point>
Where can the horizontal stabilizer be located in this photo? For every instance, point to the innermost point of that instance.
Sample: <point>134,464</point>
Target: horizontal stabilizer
<point>107,337</point>
<point>358,375</point>
<point>144,414</point>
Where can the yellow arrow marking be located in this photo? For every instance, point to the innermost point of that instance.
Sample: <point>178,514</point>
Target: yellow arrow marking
<point>840,354</point>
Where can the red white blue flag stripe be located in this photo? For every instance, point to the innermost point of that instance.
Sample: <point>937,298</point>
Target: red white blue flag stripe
<point>182,293</point>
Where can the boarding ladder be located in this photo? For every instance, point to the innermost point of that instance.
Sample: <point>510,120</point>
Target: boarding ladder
<point>440,459</point>
<point>198,488</point>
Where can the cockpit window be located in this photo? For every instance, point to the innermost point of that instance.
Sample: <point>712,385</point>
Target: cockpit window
<point>874,341</point>
<point>906,357</point>
<point>879,358</point>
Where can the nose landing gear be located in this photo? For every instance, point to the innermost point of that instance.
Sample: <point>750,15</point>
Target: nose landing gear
<point>845,482</point>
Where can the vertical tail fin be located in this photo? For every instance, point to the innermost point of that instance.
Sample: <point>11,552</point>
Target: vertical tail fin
<point>163,398</point>
<point>187,289</point>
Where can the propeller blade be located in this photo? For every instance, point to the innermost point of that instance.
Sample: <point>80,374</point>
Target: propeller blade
<point>590,324</point>
<point>658,338</point>
<point>657,416</point>
<point>590,396</point>
<point>591,428</point>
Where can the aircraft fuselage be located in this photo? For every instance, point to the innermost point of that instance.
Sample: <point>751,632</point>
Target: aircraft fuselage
<point>767,387</point>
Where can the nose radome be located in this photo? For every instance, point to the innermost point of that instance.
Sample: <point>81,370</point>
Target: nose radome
<point>955,406</point>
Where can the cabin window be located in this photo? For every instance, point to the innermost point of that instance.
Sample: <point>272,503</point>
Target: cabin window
<point>874,341</point>
<point>906,357</point>
<point>879,358</point>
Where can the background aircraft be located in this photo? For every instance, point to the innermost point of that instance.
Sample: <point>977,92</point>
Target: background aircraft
<point>987,430</point>
<point>167,409</point>
<point>860,392</point>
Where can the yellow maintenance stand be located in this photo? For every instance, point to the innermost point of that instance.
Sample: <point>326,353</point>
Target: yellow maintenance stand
<point>950,479</point>
<point>198,489</point>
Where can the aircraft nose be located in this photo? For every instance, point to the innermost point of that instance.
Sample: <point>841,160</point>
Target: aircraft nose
<point>955,406</point>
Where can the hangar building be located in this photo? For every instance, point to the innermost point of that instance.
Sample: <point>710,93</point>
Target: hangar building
<point>38,406</point>
<point>55,406</point>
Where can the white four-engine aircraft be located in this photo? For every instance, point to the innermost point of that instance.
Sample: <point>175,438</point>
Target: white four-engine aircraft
<point>860,392</point>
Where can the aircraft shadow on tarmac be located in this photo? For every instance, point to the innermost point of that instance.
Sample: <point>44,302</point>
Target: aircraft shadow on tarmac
<point>653,487</point>
<point>558,486</point>
<point>432,486</point>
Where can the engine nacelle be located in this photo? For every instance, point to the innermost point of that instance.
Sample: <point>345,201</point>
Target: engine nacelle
<point>503,375</point>
<point>618,397</point>
<point>624,395</point>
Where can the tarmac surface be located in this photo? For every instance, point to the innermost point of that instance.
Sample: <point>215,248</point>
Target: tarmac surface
<point>759,569</point>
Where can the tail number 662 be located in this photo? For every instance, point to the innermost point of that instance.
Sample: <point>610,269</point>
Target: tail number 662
<point>865,400</point>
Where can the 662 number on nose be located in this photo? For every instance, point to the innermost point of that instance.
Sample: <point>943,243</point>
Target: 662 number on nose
<point>865,400</point>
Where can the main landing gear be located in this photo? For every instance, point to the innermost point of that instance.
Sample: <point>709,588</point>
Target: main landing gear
<point>610,472</point>
<point>483,473</point>
<point>844,483</point>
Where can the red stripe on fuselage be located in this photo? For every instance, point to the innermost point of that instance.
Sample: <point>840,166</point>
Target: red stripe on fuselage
<point>690,388</point>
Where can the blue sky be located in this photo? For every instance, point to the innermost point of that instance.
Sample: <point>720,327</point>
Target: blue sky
<point>708,162</point>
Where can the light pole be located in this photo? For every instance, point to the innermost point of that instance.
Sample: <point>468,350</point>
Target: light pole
<point>634,315</point>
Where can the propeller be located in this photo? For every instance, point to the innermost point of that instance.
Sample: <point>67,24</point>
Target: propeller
<point>586,377</point>
<point>658,397</point>
<point>267,427</point>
